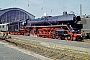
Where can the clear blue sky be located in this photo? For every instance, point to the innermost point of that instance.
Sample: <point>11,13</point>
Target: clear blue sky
<point>51,7</point>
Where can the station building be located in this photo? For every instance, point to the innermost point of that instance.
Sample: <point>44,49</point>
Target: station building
<point>14,14</point>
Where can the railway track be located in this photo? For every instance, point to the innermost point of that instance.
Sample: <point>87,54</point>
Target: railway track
<point>54,54</point>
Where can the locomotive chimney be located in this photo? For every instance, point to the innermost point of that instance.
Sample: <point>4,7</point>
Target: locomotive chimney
<point>64,13</point>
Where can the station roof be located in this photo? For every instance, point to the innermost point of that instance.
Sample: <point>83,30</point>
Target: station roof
<point>3,11</point>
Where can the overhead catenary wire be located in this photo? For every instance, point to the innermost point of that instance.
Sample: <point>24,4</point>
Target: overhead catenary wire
<point>35,4</point>
<point>50,9</point>
<point>41,7</point>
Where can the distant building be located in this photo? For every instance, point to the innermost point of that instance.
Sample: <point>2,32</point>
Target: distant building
<point>14,14</point>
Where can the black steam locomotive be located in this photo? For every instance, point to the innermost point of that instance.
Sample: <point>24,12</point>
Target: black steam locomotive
<point>69,19</point>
